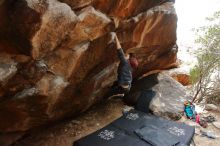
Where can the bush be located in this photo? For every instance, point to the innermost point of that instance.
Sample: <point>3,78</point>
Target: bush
<point>205,75</point>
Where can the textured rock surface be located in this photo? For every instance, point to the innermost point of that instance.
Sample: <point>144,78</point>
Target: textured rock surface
<point>169,98</point>
<point>54,56</point>
<point>168,95</point>
<point>181,75</point>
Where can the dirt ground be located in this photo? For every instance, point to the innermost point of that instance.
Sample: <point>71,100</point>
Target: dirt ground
<point>200,140</point>
<point>66,132</point>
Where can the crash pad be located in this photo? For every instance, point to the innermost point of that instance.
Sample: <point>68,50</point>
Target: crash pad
<point>144,100</point>
<point>121,132</point>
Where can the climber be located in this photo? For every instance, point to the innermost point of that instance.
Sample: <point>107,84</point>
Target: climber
<point>134,63</point>
<point>124,78</point>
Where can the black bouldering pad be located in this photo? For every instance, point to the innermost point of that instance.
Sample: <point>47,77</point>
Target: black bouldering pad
<point>110,136</point>
<point>157,136</point>
<point>121,132</point>
<point>144,100</point>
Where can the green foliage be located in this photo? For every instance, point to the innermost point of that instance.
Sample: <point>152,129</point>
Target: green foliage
<point>205,75</point>
<point>195,74</point>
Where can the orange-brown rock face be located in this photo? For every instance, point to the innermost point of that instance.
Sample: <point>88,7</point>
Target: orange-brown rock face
<point>184,79</point>
<point>55,60</point>
<point>180,75</point>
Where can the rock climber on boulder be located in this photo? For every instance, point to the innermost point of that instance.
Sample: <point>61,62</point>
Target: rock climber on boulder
<point>124,78</point>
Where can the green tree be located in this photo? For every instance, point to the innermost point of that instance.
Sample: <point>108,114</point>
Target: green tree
<point>205,75</point>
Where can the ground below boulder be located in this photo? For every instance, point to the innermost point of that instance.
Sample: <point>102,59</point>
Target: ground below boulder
<point>66,132</point>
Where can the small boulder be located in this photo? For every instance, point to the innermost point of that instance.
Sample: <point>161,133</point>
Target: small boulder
<point>211,107</point>
<point>169,98</point>
<point>216,124</point>
<point>168,101</point>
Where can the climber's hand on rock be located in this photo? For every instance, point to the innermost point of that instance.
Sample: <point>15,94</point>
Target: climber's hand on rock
<point>112,38</point>
<point>118,45</point>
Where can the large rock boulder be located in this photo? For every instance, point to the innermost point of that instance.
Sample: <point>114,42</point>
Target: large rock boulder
<point>169,98</point>
<point>165,99</point>
<point>55,60</point>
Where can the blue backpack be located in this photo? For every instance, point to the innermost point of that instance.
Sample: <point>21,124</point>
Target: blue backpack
<point>188,110</point>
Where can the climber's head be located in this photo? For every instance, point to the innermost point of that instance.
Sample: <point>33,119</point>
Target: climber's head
<point>133,61</point>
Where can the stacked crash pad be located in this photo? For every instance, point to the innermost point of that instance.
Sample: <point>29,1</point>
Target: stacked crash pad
<point>140,129</point>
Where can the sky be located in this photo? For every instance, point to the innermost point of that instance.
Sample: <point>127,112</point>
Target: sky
<point>192,14</point>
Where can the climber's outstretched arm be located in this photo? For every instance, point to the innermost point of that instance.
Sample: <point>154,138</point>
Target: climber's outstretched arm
<point>121,54</point>
<point>118,45</point>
